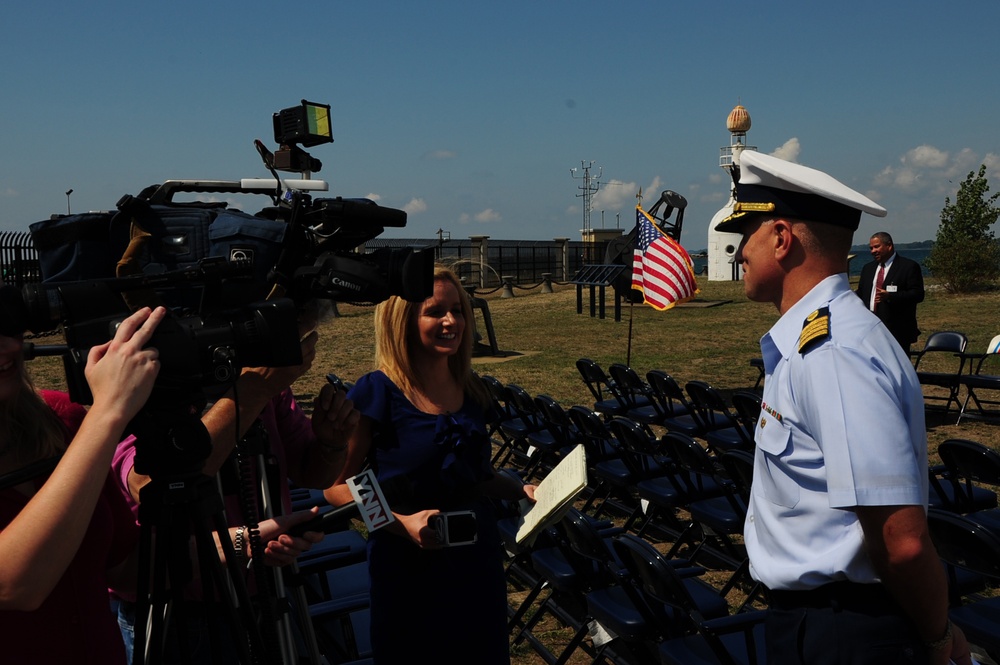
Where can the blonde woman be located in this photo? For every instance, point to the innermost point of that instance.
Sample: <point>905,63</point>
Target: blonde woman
<point>423,431</point>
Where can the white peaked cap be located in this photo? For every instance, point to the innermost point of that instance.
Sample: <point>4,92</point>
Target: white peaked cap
<point>777,188</point>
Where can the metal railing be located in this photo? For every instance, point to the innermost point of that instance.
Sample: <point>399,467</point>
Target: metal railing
<point>18,259</point>
<point>521,261</point>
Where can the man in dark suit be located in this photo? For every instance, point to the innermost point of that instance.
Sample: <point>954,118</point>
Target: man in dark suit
<point>891,286</point>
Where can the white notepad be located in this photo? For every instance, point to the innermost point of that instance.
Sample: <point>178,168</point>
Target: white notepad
<point>554,495</point>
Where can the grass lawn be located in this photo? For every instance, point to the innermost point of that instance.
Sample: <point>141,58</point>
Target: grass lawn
<point>541,336</point>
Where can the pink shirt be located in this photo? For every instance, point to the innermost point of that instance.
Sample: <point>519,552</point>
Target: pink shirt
<point>74,624</point>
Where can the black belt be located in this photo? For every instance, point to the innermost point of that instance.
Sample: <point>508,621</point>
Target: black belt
<point>838,595</point>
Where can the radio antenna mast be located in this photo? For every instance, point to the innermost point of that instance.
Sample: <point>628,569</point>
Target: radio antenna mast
<point>591,184</point>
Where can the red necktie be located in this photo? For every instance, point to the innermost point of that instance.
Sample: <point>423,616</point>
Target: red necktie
<point>879,280</point>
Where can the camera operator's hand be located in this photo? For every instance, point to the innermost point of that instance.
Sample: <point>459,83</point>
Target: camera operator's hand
<point>266,382</point>
<point>121,372</point>
<point>334,418</point>
<point>282,549</point>
<point>255,387</point>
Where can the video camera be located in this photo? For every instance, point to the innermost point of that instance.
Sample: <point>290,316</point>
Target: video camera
<point>234,282</point>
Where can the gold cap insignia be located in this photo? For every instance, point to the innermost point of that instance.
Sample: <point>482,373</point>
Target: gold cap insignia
<point>750,206</point>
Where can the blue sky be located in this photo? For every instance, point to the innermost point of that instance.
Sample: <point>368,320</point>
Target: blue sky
<point>470,116</point>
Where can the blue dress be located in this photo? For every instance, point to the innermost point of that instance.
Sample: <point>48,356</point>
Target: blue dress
<point>447,605</point>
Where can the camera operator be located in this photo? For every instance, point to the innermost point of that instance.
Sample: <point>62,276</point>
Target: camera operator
<point>65,533</point>
<point>309,452</point>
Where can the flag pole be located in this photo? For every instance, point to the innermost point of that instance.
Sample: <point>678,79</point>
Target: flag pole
<point>631,299</point>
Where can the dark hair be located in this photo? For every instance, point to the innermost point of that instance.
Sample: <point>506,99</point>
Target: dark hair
<point>883,237</point>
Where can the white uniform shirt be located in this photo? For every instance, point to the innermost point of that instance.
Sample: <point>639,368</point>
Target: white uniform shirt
<point>841,425</point>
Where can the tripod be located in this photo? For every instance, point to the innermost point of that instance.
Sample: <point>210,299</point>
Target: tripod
<point>176,505</point>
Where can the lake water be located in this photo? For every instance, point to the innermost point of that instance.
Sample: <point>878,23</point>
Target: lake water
<point>861,257</point>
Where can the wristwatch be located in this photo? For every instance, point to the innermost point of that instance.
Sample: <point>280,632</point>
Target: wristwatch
<point>238,543</point>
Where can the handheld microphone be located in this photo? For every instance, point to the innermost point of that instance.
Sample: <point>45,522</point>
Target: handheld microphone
<point>369,503</point>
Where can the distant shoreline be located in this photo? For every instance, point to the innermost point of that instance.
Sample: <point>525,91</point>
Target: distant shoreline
<point>917,251</point>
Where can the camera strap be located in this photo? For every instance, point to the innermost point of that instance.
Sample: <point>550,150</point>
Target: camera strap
<point>129,264</point>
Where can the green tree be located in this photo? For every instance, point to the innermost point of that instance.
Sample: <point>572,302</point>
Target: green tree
<point>966,255</point>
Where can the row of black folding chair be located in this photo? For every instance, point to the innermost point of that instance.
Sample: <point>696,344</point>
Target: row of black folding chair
<point>654,482</point>
<point>332,580</point>
<point>648,608</point>
<point>698,409</point>
<point>964,523</point>
<point>531,433</point>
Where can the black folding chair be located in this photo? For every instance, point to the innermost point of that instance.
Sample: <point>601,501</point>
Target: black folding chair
<point>717,509</point>
<point>501,412</point>
<point>721,429</point>
<point>592,431</point>
<point>945,350</point>
<point>704,632</point>
<point>556,437</point>
<point>966,545</point>
<point>654,479</point>
<point>601,387</point>
<point>669,395</point>
<point>747,403</point>
<point>635,395</point>
<point>525,421</point>
<point>969,465</point>
<point>977,379</point>
<point>586,587</point>
<point>614,479</point>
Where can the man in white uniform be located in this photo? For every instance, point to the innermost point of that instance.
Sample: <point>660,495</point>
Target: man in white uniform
<point>837,526</point>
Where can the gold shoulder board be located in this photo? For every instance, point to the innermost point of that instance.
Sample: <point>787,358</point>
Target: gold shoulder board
<point>815,329</point>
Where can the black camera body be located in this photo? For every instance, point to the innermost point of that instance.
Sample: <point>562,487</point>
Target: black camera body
<point>233,281</point>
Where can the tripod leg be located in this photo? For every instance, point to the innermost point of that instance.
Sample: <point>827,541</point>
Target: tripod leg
<point>153,604</point>
<point>140,651</point>
<point>234,594</point>
<point>305,622</point>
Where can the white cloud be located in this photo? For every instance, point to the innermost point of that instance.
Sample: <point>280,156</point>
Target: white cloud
<point>925,156</point>
<point>9,192</point>
<point>966,160</point>
<point>415,206</point>
<point>373,197</point>
<point>617,194</point>
<point>992,161</point>
<point>905,179</point>
<point>486,216</point>
<point>789,150</point>
<point>926,170</point>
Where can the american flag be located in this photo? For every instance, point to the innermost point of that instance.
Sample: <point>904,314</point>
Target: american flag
<point>661,269</point>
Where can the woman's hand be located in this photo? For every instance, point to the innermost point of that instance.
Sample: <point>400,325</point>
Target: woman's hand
<point>282,549</point>
<point>121,372</point>
<point>420,531</point>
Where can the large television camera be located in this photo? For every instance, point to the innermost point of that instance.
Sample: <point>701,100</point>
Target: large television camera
<point>233,281</point>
